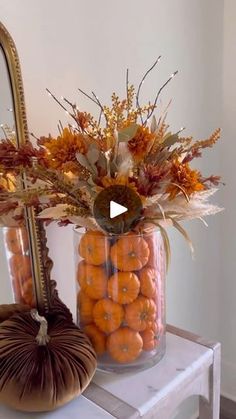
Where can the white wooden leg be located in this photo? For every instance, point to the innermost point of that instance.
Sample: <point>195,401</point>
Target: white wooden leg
<point>206,410</point>
<point>211,409</point>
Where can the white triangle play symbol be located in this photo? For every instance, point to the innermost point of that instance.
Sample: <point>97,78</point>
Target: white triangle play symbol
<point>116,209</point>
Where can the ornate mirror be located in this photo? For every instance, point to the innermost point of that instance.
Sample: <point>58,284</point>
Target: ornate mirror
<point>25,267</point>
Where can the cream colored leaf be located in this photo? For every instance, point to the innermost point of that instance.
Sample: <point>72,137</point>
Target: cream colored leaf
<point>127,133</point>
<point>153,127</point>
<point>86,222</point>
<point>56,213</point>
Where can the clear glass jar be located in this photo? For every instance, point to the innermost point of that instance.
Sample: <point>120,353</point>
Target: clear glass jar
<point>19,266</point>
<point>121,297</point>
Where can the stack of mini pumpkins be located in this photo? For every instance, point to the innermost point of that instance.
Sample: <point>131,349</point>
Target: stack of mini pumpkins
<point>17,248</point>
<point>120,304</point>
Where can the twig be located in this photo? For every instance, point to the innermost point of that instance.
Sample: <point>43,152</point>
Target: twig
<point>34,136</point>
<point>3,130</point>
<point>127,91</point>
<point>58,102</point>
<point>100,105</point>
<point>61,105</point>
<point>70,103</point>
<point>59,129</point>
<point>141,83</point>
<point>158,94</point>
<point>99,118</point>
<point>61,126</point>
<point>89,97</point>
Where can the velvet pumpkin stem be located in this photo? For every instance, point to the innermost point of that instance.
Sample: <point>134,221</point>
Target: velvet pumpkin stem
<point>42,337</point>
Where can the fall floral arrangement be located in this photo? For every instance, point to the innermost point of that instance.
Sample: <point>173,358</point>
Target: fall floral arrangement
<point>120,278</point>
<point>126,145</point>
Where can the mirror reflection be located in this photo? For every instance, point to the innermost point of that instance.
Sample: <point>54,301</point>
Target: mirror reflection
<point>6,293</point>
<point>7,130</point>
<point>7,119</point>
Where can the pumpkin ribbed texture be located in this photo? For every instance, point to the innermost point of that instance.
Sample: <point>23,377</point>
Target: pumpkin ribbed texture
<point>41,378</point>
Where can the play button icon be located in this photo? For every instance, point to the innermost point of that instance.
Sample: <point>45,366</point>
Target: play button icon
<point>117,209</point>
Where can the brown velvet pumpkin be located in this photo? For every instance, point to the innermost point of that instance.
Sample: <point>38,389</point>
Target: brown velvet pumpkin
<point>7,310</point>
<point>43,364</point>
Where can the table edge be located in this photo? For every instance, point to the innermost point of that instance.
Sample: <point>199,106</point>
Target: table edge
<point>192,337</point>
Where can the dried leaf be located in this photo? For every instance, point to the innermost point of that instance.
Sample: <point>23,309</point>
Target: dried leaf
<point>85,163</point>
<point>102,162</point>
<point>166,244</point>
<point>86,222</point>
<point>170,139</point>
<point>93,154</point>
<point>153,126</point>
<point>184,234</point>
<point>113,168</point>
<point>55,213</point>
<point>127,133</point>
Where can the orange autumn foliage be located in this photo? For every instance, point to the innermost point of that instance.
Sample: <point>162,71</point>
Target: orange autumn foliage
<point>141,143</point>
<point>184,179</point>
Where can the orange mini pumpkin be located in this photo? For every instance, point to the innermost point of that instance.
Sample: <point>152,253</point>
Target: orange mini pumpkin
<point>140,314</point>
<point>85,306</point>
<point>17,292</point>
<point>108,315</point>
<point>153,249</point>
<point>130,253</point>
<point>123,287</point>
<point>157,257</point>
<point>148,282</point>
<point>93,247</point>
<point>16,239</point>
<point>92,280</point>
<point>96,337</point>
<point>158,328</point>
<point>152,335</point>
<point>28,292</point>
<point>124,345</point>
<point>20,267</point>
<point>150,339</point>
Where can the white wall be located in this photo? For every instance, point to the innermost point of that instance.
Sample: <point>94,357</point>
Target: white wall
<point>66,44</point>
<point>228,228</point>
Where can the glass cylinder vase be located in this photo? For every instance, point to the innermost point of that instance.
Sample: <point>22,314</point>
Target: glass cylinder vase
<point>16,244</point>
<point>121,297</point>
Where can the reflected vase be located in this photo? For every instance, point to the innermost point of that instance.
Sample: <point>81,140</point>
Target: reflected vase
<point>121,297</point>
<point>19,264</point>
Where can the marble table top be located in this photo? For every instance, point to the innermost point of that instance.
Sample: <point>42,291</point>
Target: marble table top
<point>80,408</point>
<point>144,389</point>
<point>140,391</point>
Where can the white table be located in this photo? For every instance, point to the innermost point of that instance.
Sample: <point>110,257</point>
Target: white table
<point>191,366</point>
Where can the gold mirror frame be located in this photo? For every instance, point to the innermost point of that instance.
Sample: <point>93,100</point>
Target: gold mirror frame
<point>44,289</point>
